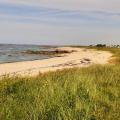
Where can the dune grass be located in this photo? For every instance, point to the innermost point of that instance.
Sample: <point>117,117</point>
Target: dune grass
<point>91,93</point>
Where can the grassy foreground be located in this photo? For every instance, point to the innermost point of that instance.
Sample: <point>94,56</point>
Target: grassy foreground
<point>73,94</point>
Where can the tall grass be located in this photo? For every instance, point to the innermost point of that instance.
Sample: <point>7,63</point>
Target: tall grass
<point>91,93</point>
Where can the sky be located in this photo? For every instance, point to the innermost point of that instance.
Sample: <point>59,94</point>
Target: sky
<point>60,22</point>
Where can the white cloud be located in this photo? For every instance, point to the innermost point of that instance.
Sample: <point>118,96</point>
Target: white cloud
<point>105,5</point>
<point>106,30</point>
<point>48,34</point>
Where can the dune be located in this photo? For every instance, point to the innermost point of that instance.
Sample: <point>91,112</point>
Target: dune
<point>79,57</point>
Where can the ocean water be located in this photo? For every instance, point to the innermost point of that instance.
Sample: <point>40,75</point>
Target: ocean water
<point>14,53</point>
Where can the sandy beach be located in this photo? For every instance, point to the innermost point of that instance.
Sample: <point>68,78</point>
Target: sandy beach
<point>80,57</point>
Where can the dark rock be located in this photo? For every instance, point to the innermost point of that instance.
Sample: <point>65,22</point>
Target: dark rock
<point>9,55</point>
<point>54,52</point>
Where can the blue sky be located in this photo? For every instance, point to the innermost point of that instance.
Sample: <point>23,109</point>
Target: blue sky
<point>60,22</point>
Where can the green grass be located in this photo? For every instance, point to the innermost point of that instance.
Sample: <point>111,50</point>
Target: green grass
<point>91,93</point>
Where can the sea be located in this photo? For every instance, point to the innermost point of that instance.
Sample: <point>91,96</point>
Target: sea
<point>15,53</point>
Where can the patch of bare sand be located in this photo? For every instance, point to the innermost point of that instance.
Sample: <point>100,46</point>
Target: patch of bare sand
<point>80,57</point>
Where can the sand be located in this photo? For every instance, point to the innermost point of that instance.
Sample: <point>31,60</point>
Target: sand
<point>81,57</point>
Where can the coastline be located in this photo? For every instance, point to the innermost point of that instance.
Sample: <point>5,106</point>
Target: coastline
<point>81,57</point>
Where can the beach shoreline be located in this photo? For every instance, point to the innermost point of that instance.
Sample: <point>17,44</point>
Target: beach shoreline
<point>81,57</point>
